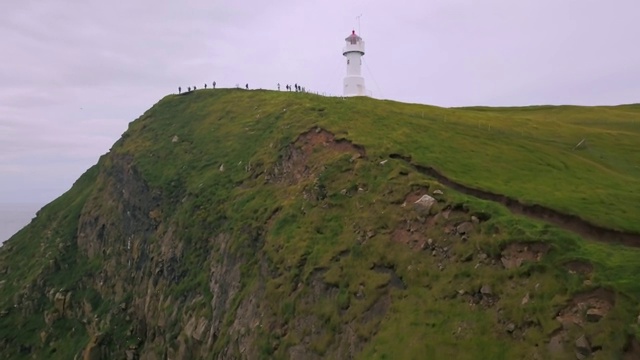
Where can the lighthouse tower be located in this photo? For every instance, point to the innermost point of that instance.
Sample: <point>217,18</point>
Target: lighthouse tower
<point>353,51</point>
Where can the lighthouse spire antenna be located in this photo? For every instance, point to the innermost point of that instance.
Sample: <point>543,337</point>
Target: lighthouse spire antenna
<point>358,17</point>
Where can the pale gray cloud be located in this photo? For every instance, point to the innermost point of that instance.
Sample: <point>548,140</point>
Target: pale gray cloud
<point>75,73</point>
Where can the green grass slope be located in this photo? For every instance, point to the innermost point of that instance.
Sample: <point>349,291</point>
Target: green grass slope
<point>525,153</point>
<point>341,277</point>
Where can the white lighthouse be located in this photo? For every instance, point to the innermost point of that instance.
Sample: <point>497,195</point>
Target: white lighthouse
<point>353,51</point>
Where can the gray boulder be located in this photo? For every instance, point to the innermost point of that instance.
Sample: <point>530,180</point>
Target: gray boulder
<point>425,203</point>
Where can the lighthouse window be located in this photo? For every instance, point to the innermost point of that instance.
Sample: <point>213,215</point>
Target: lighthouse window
<point>347,61</point>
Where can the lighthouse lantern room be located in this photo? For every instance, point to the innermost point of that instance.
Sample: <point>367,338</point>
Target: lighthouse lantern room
<point>353,51</point>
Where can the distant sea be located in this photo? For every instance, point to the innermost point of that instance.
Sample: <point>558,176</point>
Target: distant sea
<point>14,217</point>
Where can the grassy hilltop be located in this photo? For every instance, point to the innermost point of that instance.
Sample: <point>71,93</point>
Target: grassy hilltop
<point>231,223</point>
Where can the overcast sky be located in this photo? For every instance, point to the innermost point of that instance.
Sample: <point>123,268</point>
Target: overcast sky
<point>73,73</point>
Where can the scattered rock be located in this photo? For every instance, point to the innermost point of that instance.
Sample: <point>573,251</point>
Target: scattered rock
<point>525,299</point>
<point>583,347</point>
<point>430,243</point>
<point>556,343</point>
<point>437,192</point>
<point>595,314</point>
<point>60,302</point>
<point>588,306</point>
<point>131,354</point>
<point>343,191</point>
<point>222,167</point>
<point>511,327</point>
<point>425,202</point>
<point>175,139</point>
<point>464,228</point>
<point>44,336</point>
<point>482,256</point>
<point>475,220</point>
<point>383,162</point>
<point>486,290</point>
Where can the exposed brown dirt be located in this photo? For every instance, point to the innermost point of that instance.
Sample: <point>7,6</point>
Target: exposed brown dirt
<point>579,267</point>
<point>415,240</point>
<point>515,254</point>
<point>556,341</point>
<point>295,165</point>
<point>569,222</point>
<point>597,302</point>
<point>631,349</point>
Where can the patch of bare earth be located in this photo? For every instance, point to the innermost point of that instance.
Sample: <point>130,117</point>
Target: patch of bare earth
<point>589,306</point>
<point>516,254</point>
<point>631,349</point>
<point>584,307</point>
<point>415,240</point>
<point>579,267</point>
<point>295,163</point>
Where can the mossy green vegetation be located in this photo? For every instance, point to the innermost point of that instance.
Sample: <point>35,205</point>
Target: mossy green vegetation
<point>281,220</point>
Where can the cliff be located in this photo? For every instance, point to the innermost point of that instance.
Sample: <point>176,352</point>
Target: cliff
<point>252,224</point>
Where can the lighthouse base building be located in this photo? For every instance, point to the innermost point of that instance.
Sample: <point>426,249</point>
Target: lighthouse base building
<point>354,50</point>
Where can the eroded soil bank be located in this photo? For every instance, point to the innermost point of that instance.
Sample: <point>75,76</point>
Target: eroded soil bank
<point>566,221</point>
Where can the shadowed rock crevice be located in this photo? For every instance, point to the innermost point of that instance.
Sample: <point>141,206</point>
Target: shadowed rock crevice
<point>568,222</point>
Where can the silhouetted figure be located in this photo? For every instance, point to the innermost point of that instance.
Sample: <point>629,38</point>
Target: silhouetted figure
<point>296,86</point>
<point>179,90</point>
<point>214,84</point>
<point>205,85</point>
<point>194,88</point>
<point>278,86</point>
<point>247,86</point>
<point>188,89</point>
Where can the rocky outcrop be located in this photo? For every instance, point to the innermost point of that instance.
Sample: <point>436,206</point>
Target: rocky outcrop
<point>296,162</point>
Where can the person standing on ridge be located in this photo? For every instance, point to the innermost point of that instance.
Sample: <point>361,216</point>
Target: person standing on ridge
<point>179,90</point>
<point>188,89</point>
<point>278,86</point>
<point>214,84</point>
<point>205,85</point>
<point>194,88</point>
<point>247,86</point>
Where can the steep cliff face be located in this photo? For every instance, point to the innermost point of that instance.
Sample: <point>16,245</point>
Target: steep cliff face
<point>232,224</point>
